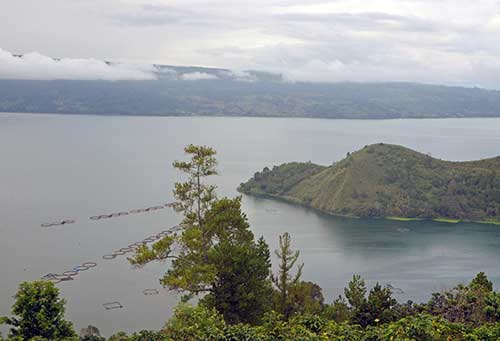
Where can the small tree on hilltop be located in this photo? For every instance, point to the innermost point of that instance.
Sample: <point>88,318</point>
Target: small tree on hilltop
<point>39,312</point>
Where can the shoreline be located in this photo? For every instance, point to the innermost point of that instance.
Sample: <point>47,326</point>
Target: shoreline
<point>416,118</point>
<point>392,218</point>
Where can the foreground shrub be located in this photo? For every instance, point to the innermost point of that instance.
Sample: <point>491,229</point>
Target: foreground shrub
<point>195,323</point>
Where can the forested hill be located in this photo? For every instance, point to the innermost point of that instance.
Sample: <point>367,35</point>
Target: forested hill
<point>383,180</point>
<point>222,93</point>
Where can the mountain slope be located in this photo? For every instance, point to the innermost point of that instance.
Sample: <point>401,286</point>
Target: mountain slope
<point>389,181</point>
<point>255,94</point>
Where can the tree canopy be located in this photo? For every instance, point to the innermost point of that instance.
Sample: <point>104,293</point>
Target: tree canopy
<point>39,312</point>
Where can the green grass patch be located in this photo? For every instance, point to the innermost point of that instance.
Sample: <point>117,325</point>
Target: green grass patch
<point>444,220</point>
<point>491,222</point>
<point>403,219</point>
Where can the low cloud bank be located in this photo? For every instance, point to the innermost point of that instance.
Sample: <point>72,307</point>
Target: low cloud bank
<point>195,76</point>
<point>310,68</point>
<point>37,66</point>
<point>34,65</point>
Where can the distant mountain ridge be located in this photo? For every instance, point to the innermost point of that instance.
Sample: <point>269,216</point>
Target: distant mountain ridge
<point>188,91</point>
<point>385,180</point>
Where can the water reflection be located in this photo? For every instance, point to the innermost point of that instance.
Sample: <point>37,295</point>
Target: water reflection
<point>416,256</point>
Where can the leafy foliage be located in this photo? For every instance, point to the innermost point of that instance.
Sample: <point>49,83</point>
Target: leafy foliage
<point>39,312</point>
<point>195,323</point>
<point>474,303</point>
<point>241,291</point>
<point>377,308</point>
<point>200,325</point>
<point>394,323</point>
<point>306,298</point>
<point>280,179</point>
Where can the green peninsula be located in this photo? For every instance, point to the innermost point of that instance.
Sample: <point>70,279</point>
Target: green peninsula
<point>388,181</point>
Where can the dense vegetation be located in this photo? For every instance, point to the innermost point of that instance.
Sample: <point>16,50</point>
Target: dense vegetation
<point>215,256</point>
<point>264,95</point>
<point>385,180</point>
<point>467,312</point>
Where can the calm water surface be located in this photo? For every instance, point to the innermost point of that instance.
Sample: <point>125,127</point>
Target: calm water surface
<point>55,166</point>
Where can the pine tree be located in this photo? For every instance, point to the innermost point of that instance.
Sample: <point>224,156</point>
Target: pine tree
<point>284,281</point>
<point>194,199</point>
<point>215,252</point>
<point>242,291</point>
<point>356,292</point>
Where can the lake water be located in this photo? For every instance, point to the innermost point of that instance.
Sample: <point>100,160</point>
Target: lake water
<point>55,166</point>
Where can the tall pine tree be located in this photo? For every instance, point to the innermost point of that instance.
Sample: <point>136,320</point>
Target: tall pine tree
<point>215,251</point>
<point>284,280</point>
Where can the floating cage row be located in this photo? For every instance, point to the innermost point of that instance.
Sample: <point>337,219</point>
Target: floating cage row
<point>69,274</point>
<point>111,215</point>
<point>58,223</point>
<point>135,211</point>
<point>134,246</point>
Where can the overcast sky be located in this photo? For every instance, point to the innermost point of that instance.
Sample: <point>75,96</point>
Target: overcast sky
<point>434,41</point>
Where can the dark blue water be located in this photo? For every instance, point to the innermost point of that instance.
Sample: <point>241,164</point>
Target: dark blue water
<point>55,166</point>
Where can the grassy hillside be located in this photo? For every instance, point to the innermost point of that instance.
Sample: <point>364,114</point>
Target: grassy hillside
<point>388,181</point>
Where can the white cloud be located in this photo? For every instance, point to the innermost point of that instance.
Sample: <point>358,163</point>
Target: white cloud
<point>195,76</point>
<point>37,66</point>
<point>238,75</point>
<point>446,41</point>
